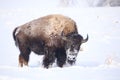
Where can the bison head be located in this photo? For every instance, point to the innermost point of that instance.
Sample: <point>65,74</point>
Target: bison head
<point>72,46</point>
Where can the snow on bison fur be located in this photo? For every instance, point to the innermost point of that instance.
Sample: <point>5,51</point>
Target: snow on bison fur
<point>54,36</point>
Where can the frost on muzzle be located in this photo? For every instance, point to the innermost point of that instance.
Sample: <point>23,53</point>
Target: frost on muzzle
<point>73,43</point>
<point>71,56</point>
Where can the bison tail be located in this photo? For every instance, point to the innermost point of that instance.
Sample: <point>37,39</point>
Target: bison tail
<point>14,36</point>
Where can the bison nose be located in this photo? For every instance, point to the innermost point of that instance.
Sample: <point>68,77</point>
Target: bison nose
<point>71,61</point>
<point>71,58</point>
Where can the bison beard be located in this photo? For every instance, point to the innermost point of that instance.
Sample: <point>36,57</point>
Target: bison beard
<point>61,56</point>
<point>44,36</point>
<point>55,49</point>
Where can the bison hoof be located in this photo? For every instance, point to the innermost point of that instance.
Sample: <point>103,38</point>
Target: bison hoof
<point>23,64</point>
<point>60,64</point>
<point>47,66</point>
<point>22,61</point>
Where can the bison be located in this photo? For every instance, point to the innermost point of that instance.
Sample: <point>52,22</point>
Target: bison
<point>54,36</point>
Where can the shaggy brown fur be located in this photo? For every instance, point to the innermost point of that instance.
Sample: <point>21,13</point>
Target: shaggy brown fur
<point>49,25</point>
<point>44,37</point>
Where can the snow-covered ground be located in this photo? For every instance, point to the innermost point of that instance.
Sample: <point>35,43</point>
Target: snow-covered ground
<point>98,60</point>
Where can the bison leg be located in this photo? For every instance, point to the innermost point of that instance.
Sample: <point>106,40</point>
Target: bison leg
<point>24,56</point>
<point>22,61</point>
<point>49,57</point>
<point>61,57</point>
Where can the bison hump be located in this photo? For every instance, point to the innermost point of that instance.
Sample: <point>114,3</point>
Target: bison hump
<point>51,24</point>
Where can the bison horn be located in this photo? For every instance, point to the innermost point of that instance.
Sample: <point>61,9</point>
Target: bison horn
<point>85,40</point>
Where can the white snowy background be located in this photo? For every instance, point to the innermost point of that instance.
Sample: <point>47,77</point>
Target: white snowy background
<point>100,56</point>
